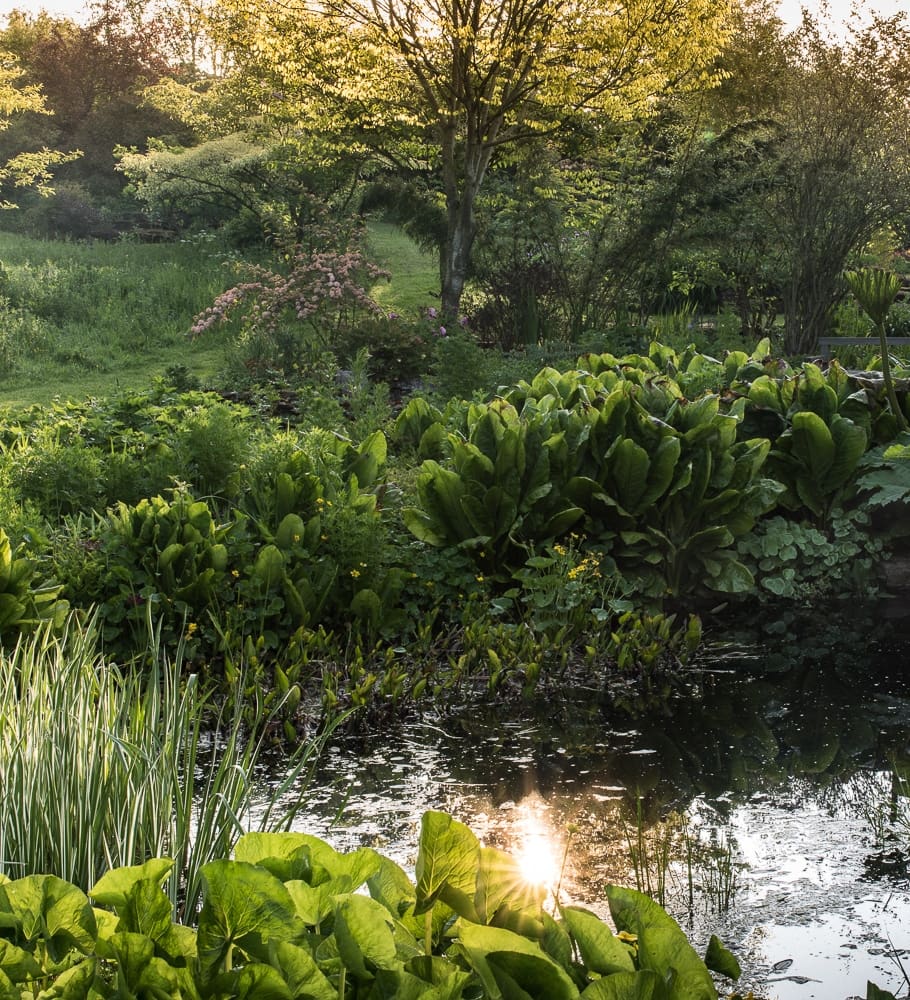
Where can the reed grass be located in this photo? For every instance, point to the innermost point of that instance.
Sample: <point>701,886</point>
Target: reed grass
<point>101,768</point>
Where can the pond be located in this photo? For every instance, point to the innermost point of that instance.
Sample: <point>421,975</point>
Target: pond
<point>769,803</point>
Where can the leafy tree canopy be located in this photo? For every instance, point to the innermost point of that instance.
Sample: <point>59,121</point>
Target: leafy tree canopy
<point>447,85</point>
<point>27,167</point>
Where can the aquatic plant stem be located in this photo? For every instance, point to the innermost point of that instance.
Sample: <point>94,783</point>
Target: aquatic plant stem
<point>889,382</point>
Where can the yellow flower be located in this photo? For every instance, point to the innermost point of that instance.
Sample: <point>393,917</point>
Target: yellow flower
<point>190,629</point>
<point>479,578</point>
<point>235,573</point>
<point>355,573</point>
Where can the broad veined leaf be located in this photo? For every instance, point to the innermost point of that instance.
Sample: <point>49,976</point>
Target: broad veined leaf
<point>75,983</point>
<point>530,977</point>
<point>501,885</point>
<point>850,444</point>
<point>285,855</point>
<point>628,473</point>
<point>114,886</point>
<point>240,902</point>
<point>17,963</point>
<point>640,985</point>
<point>253,981</point>
<point>46,906</point>
<point>812,444</point>
<point>447,859</point>
<point>313,903</point>
<point>556,943</point>
<point>448,979</point>
<point>502,958</point>
<point>363,932</point>
<point>301,973</point>
<point>147,910</point>
<point>662,946</point>
<point>813,393</point>
<point>662,470</point>
<point>601,950</point>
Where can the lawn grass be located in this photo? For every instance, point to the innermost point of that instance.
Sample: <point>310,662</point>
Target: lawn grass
<point>414,285</point>
<point>91,319</point>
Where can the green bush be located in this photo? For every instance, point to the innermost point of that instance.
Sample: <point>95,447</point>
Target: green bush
<point>288,916</point>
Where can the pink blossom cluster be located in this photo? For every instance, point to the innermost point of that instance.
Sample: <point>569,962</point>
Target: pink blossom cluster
<point>322,288</point>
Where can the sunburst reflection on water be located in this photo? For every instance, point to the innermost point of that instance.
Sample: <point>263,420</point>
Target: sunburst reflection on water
<point>780,809</point>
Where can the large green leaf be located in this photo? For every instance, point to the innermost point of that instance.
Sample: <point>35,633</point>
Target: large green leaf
<point>719,959</point>
<point>301,973</point>
<point>662,946</point>
<point>391,886</point>
<point>814,393</point>
<point>75,983</point>
<point>725,574</point>
<point>440,973</point>
<point>314,903</point>
<point>812,444</point>
<point>242,904</point>
<point>285,855</point>
<point>502,958</point>
<point>601,950</point>
<point>147,910</point>
<point>629,473</point>
<point>17,963</point>
<point>114,886</point>
<point>45,906</point>
<point>641,985</point>
<point>139,973</point>
<point>363,933</point>
<point>253,981</point>
<point>502,891</point>
<point>850,444</point>
<point>447,859</point>
<point>662,470</point>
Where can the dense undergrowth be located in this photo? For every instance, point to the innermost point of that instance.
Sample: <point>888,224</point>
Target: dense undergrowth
<point>570,526</point>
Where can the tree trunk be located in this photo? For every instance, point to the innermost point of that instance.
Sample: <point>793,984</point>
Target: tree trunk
<point>455,256</point>
<point>465,161</point>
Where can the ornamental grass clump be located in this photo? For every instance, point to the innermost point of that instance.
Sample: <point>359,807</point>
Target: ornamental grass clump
<point>104,768</point>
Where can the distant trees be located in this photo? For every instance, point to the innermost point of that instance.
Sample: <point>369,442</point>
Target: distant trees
<point>92,77</point>
<point>832,118</point>
<point>455,83</point>
<point>29,165</point>
<point>843,168</point>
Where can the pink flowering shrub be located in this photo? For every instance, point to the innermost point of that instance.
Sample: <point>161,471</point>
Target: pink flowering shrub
<point>285,315</point>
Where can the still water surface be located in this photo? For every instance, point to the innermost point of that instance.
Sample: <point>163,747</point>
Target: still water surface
<point>769,806</point>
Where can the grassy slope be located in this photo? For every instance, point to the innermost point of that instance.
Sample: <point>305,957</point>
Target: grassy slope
<point>414,283</point>
<point>79,320</point>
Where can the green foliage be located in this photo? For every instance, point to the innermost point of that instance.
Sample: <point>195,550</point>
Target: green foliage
<point>660,483</point>
<point>288,917</point>
<point>876,289</point>
<point>103,767</point>
<point>25,600</point>
<point>884,478</point>
<point>795,561</point>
